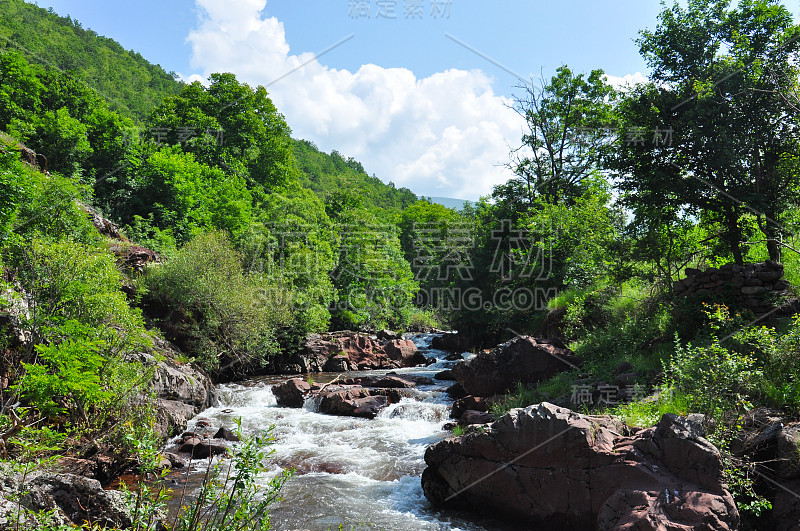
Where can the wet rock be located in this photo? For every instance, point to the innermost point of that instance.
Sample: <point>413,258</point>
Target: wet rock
<point>226,435</point>
<point>352,402</point>
<point>523,359</point>
<point>456,391</point>
<point>202,448</point>
<point>175,460</point>
<point>189,444</point>
<point>579,472</point>
<point>291,393</point>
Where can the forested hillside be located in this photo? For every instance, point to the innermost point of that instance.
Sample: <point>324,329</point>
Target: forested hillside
<point>651,230</point>
<point>131,85</point>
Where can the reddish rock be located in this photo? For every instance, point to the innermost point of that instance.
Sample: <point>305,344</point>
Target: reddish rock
<point>291,393</point>
<point>573,471</point>
<point>352,402</point>
<point>390,381</point>
<point>523,359</point>
<point>405,351</point>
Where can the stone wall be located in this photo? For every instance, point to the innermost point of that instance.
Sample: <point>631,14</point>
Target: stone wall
<point>754,286</point>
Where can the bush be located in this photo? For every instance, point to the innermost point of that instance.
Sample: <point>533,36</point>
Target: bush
<point>229,319</point>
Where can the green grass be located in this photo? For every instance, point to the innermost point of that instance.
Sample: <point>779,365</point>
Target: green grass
<point>645,413</point>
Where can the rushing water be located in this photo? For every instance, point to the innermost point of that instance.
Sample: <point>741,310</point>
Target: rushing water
<point>364,474</point>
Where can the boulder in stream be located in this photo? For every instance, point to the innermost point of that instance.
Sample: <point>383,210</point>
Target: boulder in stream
<point>523,359</point>
<point>551,467</point>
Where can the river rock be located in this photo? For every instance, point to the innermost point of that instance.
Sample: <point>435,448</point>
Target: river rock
<point>390,381</point>
<point>182,390</point>
<point>75,500</point>
<point>291,393</point>
<point>226,435</point>
<point>446,375</point>
<point>573,471</point>
<point>351,351</point>
<point>523,359</point>
<point>405,351</point>
<point>352,402</point>
<point>202,448</point>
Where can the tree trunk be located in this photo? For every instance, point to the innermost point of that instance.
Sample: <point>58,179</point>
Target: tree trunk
<point>734,235</point>
<point>769,230</point>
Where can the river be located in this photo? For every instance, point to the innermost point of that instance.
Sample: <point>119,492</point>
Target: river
<point>357,473</point>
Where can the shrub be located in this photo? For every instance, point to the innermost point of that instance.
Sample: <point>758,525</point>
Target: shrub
<point>229,319</point>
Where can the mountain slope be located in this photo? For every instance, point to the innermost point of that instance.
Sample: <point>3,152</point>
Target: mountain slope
<point>132,85</point>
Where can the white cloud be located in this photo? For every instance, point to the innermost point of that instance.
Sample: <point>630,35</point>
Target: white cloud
<point>444,135</point>
<point>626,82</point>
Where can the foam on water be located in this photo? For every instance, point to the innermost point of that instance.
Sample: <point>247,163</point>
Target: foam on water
<point>351,471</point>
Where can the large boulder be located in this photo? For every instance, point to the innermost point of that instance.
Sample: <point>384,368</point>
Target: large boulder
<point>72,500</point>
<point>351,351</point>
<point>182,390</point>
<point>523,359</point>
<point>551,467</point>
<point>291,393</point>
<point>352,401</point>
<point>404,351</point>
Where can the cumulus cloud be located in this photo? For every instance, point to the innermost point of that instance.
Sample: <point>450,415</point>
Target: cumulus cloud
<point>626,82</point>
<point>443,135</point>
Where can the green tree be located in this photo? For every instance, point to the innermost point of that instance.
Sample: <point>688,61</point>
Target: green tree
<point>189,197</point>
<point>229,124</point>
<point>718,87</point>
<point>567,120</point>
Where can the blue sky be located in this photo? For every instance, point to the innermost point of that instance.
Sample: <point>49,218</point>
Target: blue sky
<point>426,112</point>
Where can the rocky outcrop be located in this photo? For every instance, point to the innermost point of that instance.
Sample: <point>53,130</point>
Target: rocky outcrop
<point>182,391</point>
<point>353,401</point>
<point>72,499</point>
<point>350,351</point>
<point>550,467</point>
<point>753,286</point>
<point>474,403</point>
<point>523,359</point>
<point>772,444</point>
